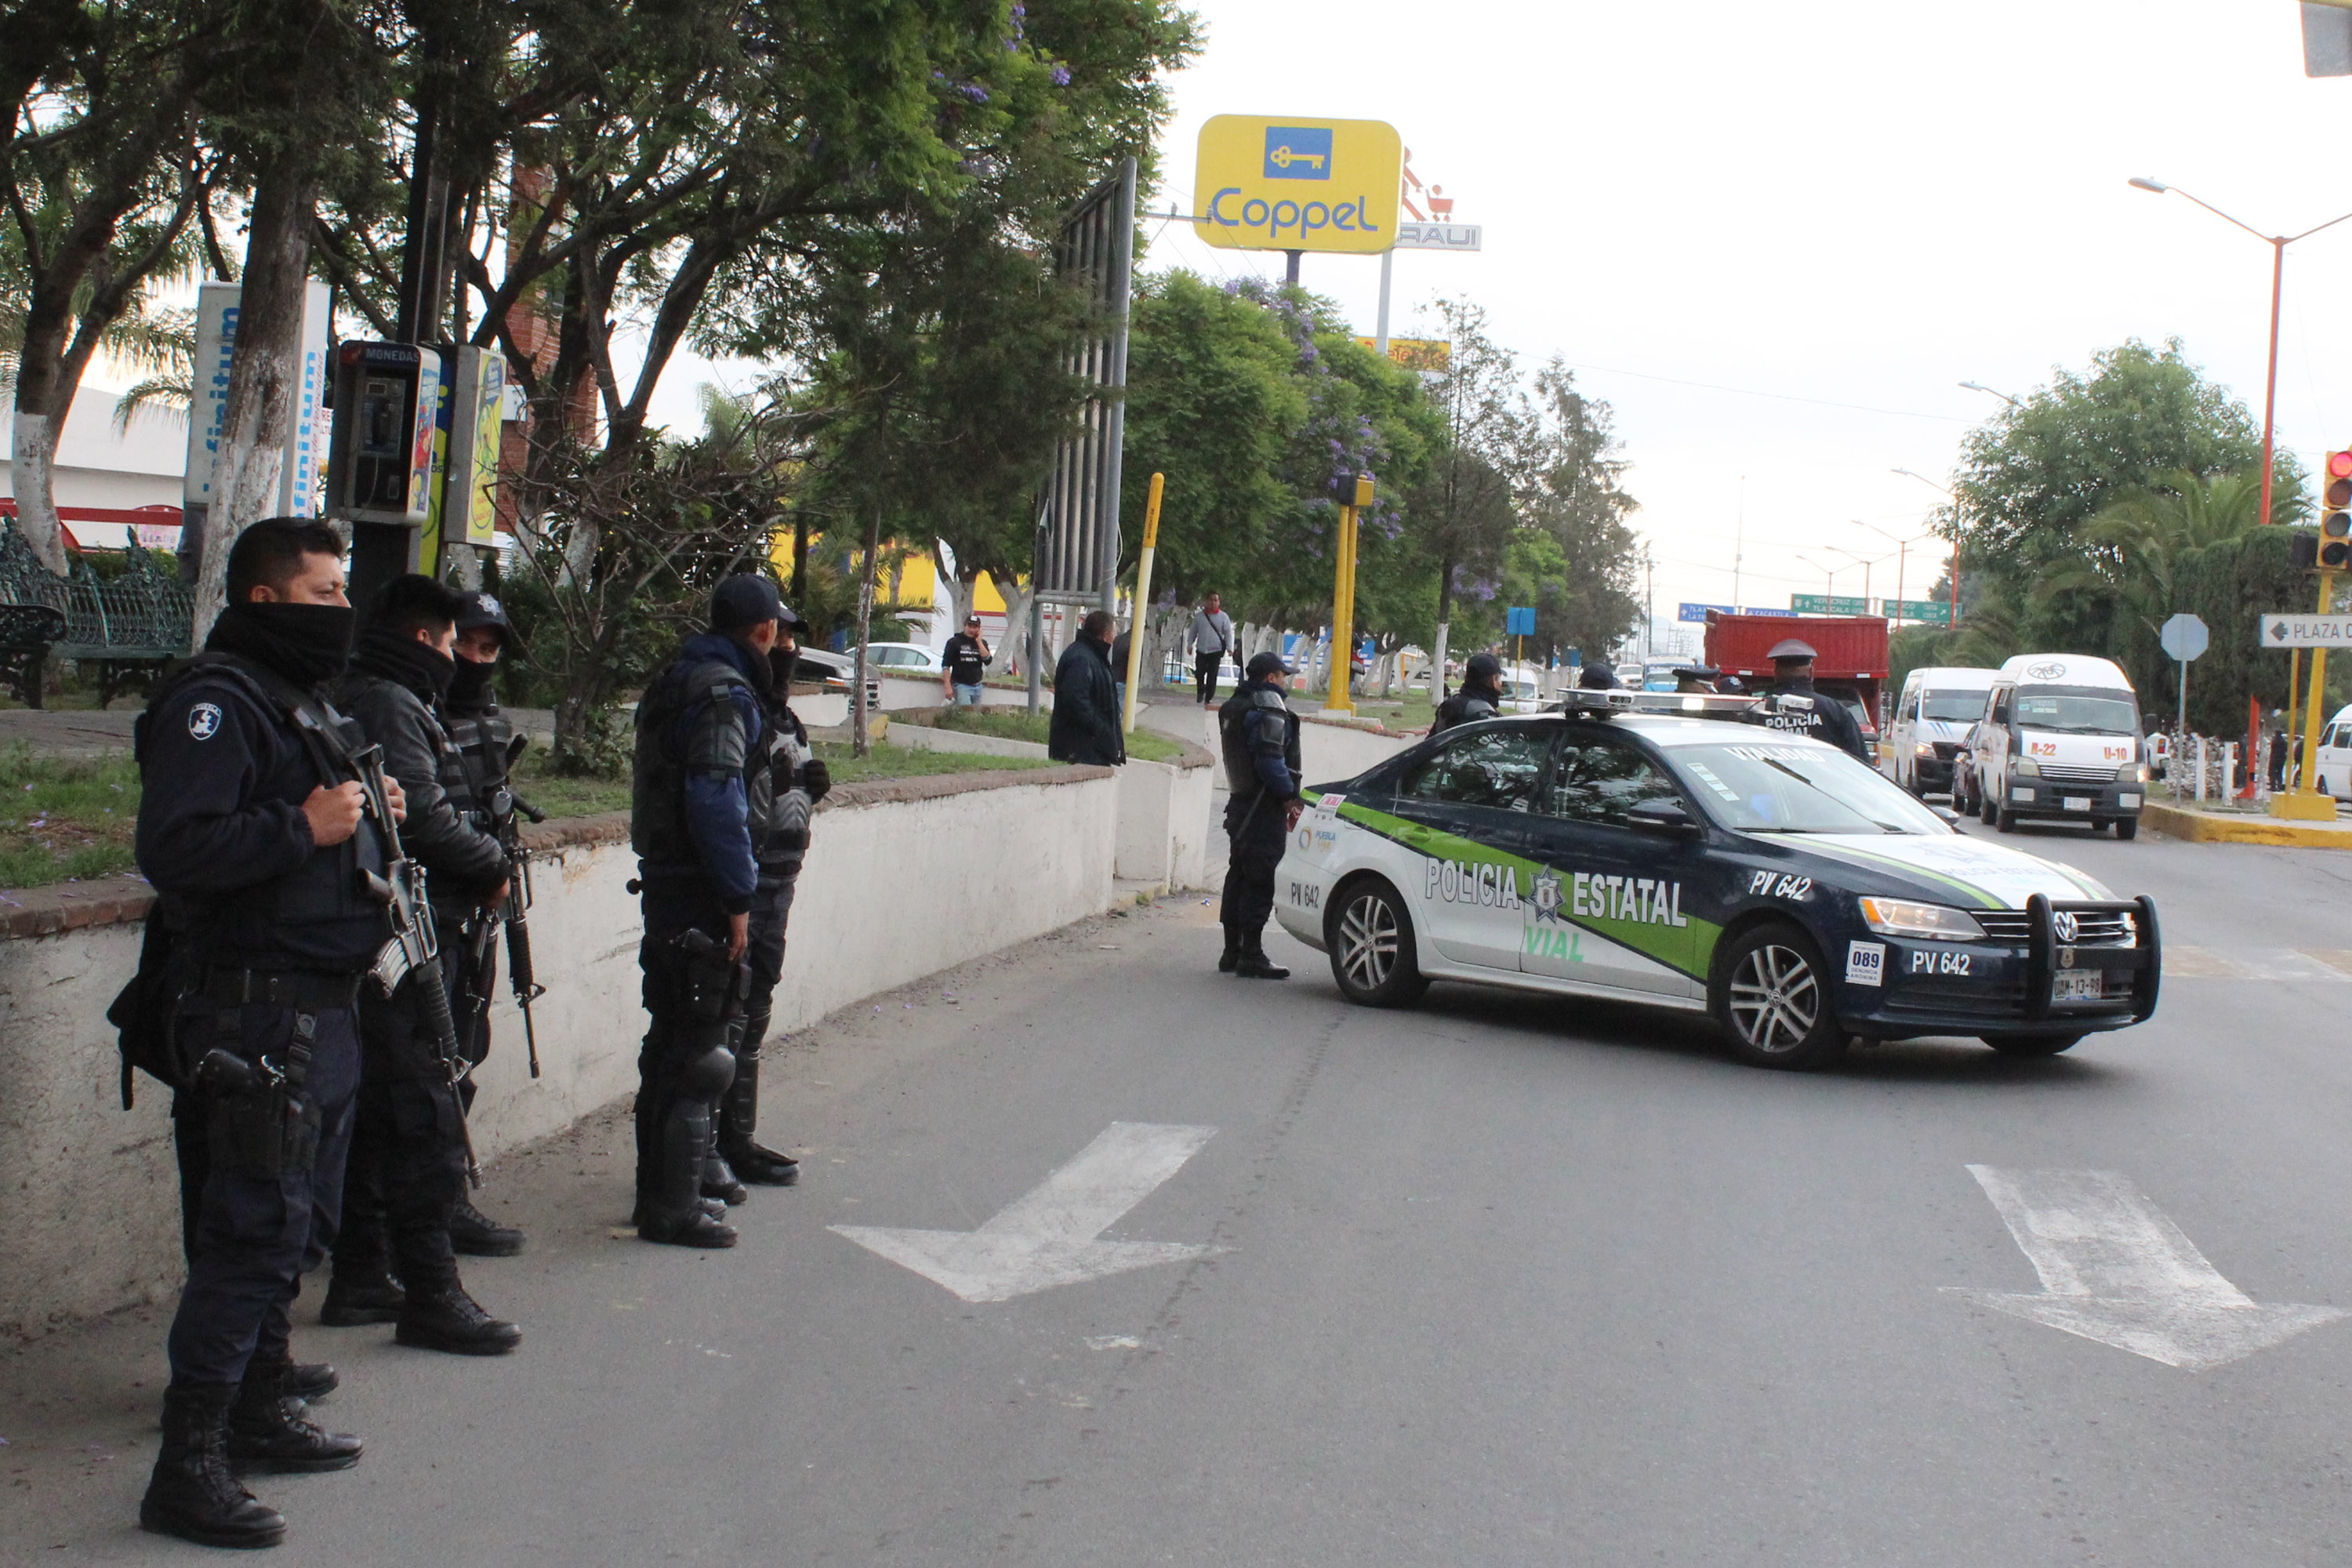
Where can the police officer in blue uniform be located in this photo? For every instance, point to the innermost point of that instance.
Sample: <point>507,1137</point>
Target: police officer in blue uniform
<point>1259,736</point>
<point>702,731</point>
<point>1817,714</point>
<point>409,1158</point>
<point>783,794</point>
<point>251,829</point>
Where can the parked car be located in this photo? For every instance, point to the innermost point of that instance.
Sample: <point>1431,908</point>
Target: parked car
<point>903,658</point>
<point>835,670</point>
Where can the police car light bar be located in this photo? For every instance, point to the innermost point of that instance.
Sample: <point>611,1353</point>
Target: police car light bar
<point>1581,703</point>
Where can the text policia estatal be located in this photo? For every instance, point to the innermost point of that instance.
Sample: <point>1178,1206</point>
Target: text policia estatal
<point>1641,900</point>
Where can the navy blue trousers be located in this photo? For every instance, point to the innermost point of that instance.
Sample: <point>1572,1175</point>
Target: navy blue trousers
<point>250,1238</point>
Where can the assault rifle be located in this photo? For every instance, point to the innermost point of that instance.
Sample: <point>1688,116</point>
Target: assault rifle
<point>505,806</point>
<point>414,952</point>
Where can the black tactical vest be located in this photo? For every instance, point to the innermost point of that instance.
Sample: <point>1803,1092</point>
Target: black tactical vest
<point>1240,767</point>
<point>657,828</point>
<point>473,768</point>
<point>315,916</point>
<point>780,806</point>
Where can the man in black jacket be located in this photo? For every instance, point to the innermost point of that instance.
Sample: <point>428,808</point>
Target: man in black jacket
<point>1259,734</point>
<point>408,1152</point>
<point>1481,696</point>
<point>1086,723</point>
<point>252,831</point>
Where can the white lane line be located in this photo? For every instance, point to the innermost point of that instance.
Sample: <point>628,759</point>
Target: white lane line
<point>2184,962</point>
<point>1047,1237</point>
<point>2114,1269</point>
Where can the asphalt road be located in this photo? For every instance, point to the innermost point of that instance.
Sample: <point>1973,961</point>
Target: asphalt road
<point>1494,1281</point>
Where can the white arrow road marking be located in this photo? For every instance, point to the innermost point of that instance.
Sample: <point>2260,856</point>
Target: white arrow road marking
<point>1049,1237</point>
<point>2115,1270</point>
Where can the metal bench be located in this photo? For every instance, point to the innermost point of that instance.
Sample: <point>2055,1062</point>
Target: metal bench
<point>122,629</point>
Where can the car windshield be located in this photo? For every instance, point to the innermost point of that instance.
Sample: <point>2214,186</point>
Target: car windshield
<point>2077,712</point>
<point>1953,707</point>
<point>1763,787</point>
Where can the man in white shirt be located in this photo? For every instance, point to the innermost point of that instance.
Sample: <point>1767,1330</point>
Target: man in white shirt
<point>1212,638</point>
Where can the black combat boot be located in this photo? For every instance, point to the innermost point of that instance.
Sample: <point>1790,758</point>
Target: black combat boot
<point>308,1379</point>
<point>444,1317</point>
<point>1255,965</point>
<point>192,1495</point>
<point>720,1180</point>
<point>270,1430</point>
<point>1229,959</point>
<point>738,1115</point>
<point>673,1212</point>
<point>362,1295</point>
<point>476,1235</point>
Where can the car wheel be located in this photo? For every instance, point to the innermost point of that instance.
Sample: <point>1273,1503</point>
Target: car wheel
<point>1771,995</point>
<point>1987,805</point>
<point>1370,939</point>
<point>2127,827</point>
<point>2031,1045</point>
<point>2003,819</point>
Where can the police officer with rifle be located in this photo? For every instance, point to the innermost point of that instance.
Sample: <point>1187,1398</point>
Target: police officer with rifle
<point>411,1157</point>
<point>1259,736</point>
<point>702,733</point>
<point>270,875</point>
<point>783,794</point>
<point>478,773</point>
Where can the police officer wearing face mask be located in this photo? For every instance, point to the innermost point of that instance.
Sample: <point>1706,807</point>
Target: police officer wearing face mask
<point>409,1152</point>
<point>251,829</point>
<point>475,773</point>
<point>781,794</point>
<point>1481,696</point>
<point>1259,736</point>
<point>702,733</point>
<point>1826,717</point>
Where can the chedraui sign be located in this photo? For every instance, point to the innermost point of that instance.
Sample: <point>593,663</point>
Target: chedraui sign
<point>1267,183</point>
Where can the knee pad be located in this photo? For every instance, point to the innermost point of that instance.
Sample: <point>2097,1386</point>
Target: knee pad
<point>705,1074</point>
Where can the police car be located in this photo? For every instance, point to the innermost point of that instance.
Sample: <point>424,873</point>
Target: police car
<point>1680,853</point>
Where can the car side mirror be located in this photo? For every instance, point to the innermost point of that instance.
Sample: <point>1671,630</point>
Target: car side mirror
<point>1661,816</point>
<point>1950,818</point>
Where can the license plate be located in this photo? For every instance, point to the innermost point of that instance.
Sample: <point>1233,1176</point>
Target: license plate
<point>2078,803</point>
<point>2077,986</point>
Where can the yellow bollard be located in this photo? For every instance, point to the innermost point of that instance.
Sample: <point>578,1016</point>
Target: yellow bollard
<point>1339,699</point>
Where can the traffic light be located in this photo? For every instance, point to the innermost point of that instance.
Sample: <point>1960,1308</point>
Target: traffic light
<point>2336,518</point>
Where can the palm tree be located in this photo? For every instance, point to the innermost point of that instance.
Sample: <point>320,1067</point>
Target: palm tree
<point>2146,547</point>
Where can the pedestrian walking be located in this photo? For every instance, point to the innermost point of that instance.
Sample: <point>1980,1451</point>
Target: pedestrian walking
<point>1481,696</point>
<point>783,796</point>
<point>963,664</point>
<point>2278,762</point>
<point>253,832</point>
<point>409,1162</point>
<point>1212,638</point>
<point>701,732</point>
<point>1086,723</point>
<point>1258,735</point>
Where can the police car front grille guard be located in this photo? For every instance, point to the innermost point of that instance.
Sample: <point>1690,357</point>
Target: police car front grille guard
<point>2046,954</point>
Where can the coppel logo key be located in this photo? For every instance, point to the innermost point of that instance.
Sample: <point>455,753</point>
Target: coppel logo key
<point>1297,152</point>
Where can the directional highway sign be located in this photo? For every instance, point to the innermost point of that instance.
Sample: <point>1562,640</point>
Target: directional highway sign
<point>1934,612</point>
<point>2306,631</point>
<point>1820,604</point>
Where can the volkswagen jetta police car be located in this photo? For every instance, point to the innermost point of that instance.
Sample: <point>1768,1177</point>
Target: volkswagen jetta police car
<point>1687,860</point>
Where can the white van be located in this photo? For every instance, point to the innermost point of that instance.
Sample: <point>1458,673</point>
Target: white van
<point>2335,774</point>
<point>1931,721</point>
<point>2060,738</point>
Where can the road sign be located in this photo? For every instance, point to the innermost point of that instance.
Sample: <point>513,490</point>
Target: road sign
<point>1699,612</point>
<point>1266,184</point>
<point>1935,612</point>
<point>1440,237</point>
<point>2305,631</point>
<point>1519,621</point>
<point>1819,605</point>
<point>2184,637</point>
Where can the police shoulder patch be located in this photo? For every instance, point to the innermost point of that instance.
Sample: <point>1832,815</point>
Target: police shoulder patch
<point>205,721</point>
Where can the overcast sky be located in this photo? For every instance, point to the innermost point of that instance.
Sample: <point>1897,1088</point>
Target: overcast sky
<point>1857,204</point>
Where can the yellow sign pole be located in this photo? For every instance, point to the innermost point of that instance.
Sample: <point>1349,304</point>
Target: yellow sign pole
<point>1142,599</point>
<point>1339,699</point>
<point>2304,804</point>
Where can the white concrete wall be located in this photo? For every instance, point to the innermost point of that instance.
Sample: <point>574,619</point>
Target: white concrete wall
<point>88,1193</point>
<point>1163,822</point>
<point>1333,752</point>
<point>922,738</point>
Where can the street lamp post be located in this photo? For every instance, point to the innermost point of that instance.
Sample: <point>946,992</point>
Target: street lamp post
<point>1953,570</point>
<point>1829,576</point>
<point>1865,563</point>
<point>2278,243</point>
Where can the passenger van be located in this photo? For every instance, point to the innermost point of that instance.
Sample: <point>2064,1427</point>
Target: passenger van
<point>2061,739</point>
<point>1931,721</point>
<point>2335,774</point>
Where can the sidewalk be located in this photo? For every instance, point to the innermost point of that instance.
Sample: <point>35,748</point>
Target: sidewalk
<point>2217,823</point>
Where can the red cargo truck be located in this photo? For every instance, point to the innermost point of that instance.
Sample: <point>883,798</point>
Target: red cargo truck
<point>1850,656</point>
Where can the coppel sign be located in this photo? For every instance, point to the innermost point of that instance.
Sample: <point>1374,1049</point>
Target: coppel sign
<point>1267,183</point>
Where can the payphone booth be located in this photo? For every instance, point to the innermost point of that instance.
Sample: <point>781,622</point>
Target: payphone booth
<point>380,456</point>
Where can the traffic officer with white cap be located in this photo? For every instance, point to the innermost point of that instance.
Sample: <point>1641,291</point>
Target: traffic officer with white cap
<point>1822,717</point>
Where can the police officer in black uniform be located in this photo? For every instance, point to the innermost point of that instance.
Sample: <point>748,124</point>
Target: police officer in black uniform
<point>1822,717</point>
<point>476,776</point>
<point>702,731</point>
<point>409,1153</point>
<point>1259,736</point>
<point>782,797</point>
<point>251,829</point>
<point>1481,696</point>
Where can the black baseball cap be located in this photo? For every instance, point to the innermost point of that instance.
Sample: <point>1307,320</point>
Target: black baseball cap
<point>1481,664</point>
<point>476,609</point>
<point>1265,664</point>
<point>747,599</point>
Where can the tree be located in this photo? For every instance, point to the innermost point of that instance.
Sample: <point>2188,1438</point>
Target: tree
<point>1567,476</point>
<point>1465,516</point>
